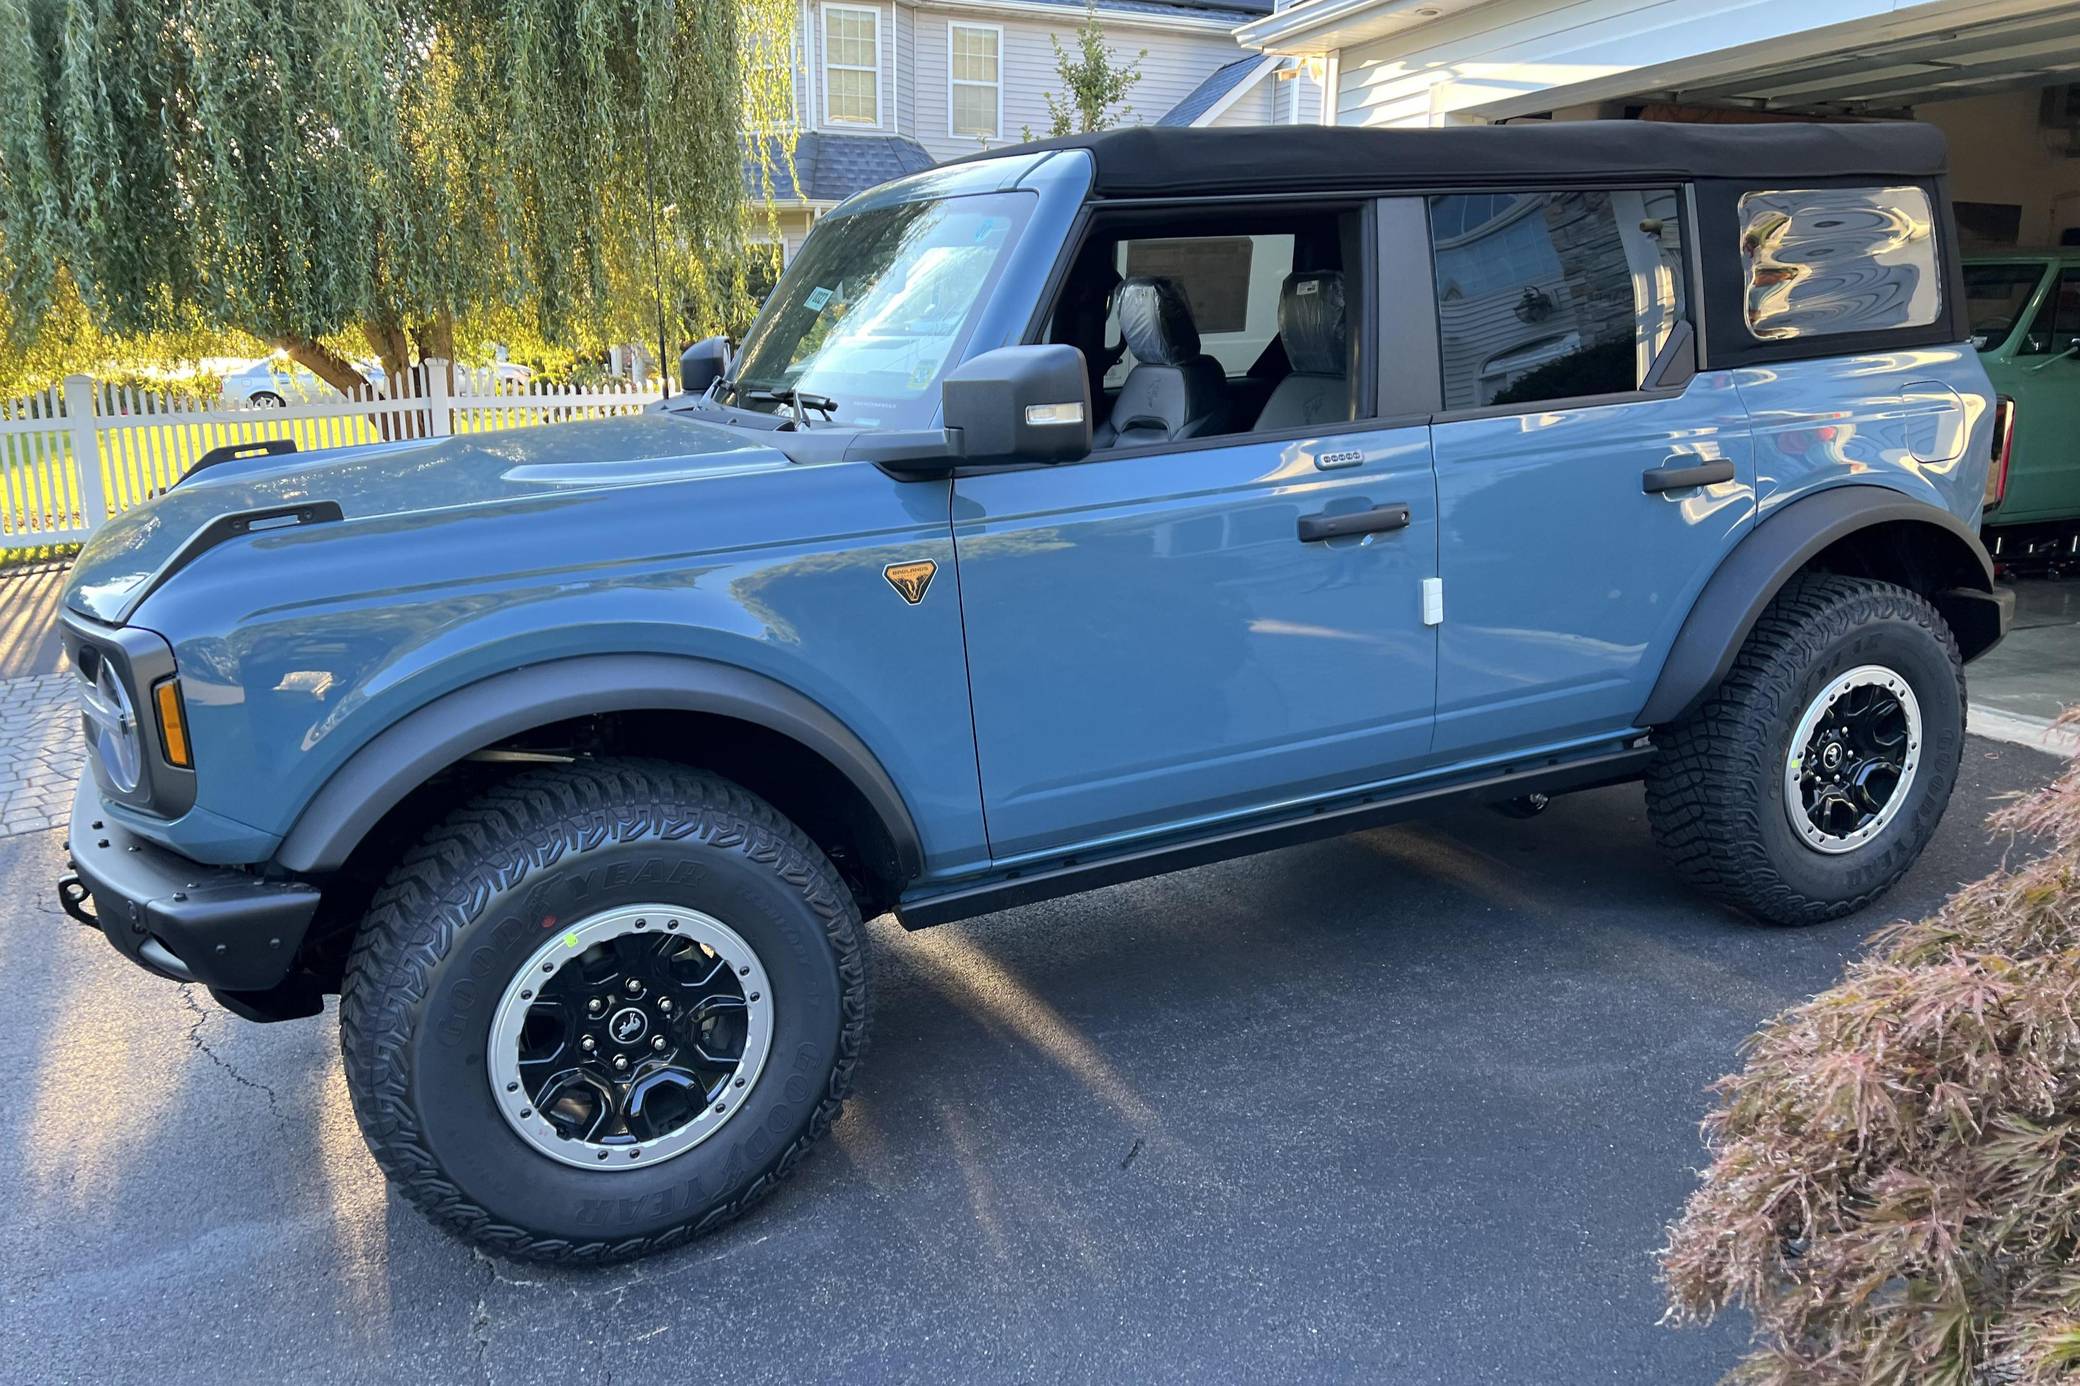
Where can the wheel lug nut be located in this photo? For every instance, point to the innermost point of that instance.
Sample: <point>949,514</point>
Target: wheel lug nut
<point>635,988</point>
<point>664,1003</point>
<point>595,1005</point>
<point>587,1044</point>
<point>657,1043</point>
<point>621,1061</point>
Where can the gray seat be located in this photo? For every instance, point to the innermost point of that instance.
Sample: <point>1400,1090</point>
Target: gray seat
<point>1312,326</point>
<point>1175,390</point>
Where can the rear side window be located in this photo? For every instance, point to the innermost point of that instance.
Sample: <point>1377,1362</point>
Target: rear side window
<point>1553,295</point>
<point>1822,262</point>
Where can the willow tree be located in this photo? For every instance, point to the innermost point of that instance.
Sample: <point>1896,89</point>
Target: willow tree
<point>327,173</point>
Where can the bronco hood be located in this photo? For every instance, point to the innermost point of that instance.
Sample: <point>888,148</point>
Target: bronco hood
<point>477,471</point>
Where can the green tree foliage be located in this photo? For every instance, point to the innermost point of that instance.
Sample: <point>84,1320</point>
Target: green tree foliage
<point>1894,1193</point>
<point>1094,84</point>
<point>347,178</point>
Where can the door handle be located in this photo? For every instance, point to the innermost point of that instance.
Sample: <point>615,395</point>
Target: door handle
<point>1672,476</point>
<point>1377,520</point>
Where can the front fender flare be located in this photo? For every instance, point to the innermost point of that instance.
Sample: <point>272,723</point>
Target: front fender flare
<point>1959,577</point>
<point>404,755</point>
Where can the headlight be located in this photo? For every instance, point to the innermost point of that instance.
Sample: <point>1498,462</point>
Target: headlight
<point>134,716</point>
<point>111,725</point>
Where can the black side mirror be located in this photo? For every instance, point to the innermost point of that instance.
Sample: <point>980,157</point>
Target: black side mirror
<point>1019,404</point>
<point>703,363</point>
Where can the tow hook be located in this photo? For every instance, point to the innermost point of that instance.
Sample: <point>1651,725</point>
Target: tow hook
<point>73,896</point>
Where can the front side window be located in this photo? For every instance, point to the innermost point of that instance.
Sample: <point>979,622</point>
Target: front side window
<point>2057,324</point>
<point>1995,298</point>
<point>851,65</point>
<point>875,307</point>
<point>1826,261</point>
<point>975,72</point>
<point>1554,295</point>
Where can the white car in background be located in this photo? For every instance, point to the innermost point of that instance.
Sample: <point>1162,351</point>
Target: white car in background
<point>272,382</point>
<point>505,377</point>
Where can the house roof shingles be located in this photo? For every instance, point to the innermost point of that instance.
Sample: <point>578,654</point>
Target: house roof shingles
<point>831,168</point>
<point>1204,97</point>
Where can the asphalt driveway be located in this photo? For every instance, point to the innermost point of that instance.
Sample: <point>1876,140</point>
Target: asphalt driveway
<point>1412,1106</point>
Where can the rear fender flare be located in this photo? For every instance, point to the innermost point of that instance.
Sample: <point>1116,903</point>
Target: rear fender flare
<point>1957,577</point>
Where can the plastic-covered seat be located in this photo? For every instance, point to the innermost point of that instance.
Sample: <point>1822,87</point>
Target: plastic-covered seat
<point>1316,334</point>
<point>1175,390</point>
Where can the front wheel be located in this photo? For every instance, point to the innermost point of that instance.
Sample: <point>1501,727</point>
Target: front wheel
<point>1811,779</point>
<point>601,1009</point>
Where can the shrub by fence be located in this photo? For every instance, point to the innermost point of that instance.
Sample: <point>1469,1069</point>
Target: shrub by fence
<point>75,455</point>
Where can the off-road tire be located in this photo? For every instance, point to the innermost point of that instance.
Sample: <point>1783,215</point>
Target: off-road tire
<point>457,917</point>
<point>1715,791</point>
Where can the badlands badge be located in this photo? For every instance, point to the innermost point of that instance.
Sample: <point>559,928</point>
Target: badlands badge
<point>911,579</point>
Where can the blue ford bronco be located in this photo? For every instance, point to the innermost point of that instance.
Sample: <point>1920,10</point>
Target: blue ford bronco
<point>1070,514</point>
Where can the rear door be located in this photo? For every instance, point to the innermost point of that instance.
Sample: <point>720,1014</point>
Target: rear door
<point>1588,483</point>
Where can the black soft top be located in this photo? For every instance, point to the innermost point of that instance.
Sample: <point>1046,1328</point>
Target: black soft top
<point>1165,161</point>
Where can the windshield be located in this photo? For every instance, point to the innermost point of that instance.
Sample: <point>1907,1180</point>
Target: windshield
<point>875,308</point>
<point>1995,296</point>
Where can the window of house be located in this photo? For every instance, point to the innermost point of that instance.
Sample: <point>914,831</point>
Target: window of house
<point>975,101</point>
<point>2057,324</point>
<point>1824,261</point>
<point>1230,282</point>
<point>1554,295</point>
<point>851,65</point>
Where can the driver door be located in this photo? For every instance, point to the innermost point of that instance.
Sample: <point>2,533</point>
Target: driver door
<point>1162,637</point>
<point>2044,381</point>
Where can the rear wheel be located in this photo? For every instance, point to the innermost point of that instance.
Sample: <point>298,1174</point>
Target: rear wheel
<point>603,1008</point>
<point>1811,779</point>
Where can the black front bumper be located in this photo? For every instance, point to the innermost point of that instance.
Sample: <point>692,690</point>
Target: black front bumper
<point>236,933</point>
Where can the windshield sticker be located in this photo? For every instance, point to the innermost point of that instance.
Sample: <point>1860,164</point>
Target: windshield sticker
<point>816,299</point>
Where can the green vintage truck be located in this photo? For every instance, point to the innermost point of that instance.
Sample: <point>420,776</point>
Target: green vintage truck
<point>2024,311</point>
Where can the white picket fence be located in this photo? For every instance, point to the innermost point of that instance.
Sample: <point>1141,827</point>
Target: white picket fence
<point>75,455</point>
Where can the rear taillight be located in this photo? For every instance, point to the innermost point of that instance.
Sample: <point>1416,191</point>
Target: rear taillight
<point>2003,449</point>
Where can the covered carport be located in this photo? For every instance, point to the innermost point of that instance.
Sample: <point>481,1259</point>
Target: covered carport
<point>2006,91</point>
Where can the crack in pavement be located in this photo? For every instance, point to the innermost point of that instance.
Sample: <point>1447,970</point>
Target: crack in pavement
<point>480,1338</point>
<point>202,1016</point>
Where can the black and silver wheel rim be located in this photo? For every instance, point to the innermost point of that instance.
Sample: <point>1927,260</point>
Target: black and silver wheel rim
<point>631,1036</point>
<point>1852,759</point>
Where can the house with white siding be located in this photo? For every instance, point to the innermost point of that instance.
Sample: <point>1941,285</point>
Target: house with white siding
<point>887,87</point>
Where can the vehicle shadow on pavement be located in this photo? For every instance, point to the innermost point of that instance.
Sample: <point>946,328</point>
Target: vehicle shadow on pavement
<point>1412,1105</point>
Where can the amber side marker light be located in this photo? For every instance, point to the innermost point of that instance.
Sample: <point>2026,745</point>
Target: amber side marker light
<point>173,726</point>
